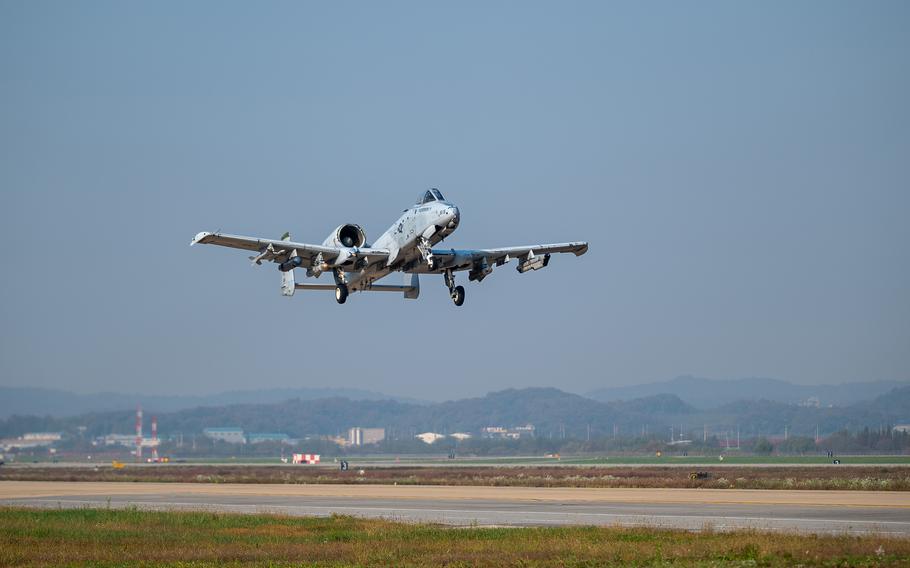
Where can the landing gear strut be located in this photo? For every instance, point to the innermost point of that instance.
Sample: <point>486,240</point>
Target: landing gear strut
<point>455,292</point>
<point>341,287</point>
<point>427,253</point>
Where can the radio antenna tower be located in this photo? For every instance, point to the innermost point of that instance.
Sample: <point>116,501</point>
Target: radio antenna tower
<point>139,433</point>
<point>155,439</point>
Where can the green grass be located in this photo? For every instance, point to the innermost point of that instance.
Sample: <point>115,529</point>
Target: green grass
<point>104,537</point>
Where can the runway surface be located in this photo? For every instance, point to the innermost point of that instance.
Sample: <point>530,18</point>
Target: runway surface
<point>852,512</point>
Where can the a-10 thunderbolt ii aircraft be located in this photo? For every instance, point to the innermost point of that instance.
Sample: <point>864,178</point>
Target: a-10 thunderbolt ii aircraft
<point>406,247</point>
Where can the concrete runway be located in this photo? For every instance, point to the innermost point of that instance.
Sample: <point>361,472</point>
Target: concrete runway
<point>853,512</point>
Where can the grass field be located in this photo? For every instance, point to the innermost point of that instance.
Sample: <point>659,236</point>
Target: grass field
<point>880,478</point>
<point>103,537</point>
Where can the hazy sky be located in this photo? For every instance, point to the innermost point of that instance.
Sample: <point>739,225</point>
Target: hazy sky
<point>741,170</point>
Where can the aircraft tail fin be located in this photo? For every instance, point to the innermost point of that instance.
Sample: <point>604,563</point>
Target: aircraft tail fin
<point>287,283</point>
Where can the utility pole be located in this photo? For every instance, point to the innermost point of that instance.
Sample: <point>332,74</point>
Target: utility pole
<point>589,432</point>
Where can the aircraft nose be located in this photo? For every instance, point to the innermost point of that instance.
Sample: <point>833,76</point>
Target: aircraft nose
<point>454,217</point>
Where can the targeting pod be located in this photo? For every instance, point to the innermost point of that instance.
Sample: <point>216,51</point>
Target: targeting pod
<point>532,262</point>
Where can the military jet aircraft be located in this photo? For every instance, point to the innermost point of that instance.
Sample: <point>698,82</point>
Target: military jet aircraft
<point>406,247</point>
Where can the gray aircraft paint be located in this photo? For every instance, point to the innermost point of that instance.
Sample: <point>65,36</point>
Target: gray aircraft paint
<point>406,246</point>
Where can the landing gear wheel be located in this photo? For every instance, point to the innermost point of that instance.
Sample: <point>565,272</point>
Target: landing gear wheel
<point>341,293</point>
<point>458,295</point>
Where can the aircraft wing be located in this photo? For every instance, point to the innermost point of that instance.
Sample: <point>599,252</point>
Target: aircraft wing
<point>272,250</point>
<point>526,255</point>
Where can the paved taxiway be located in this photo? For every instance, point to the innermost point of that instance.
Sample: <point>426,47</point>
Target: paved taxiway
<point>808,511</point>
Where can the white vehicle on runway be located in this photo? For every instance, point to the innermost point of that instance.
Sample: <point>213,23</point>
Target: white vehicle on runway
<point>406,247</point>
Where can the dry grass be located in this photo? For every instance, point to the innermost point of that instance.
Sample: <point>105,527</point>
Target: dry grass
<point>880,478</point>
<point>101,537</point>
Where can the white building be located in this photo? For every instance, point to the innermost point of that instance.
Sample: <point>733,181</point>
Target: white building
<point>460,436</point>
<point>811,402</point>
<point>493,432</point>
<point>118,440</point>
<point>31,440</point>
<point>515,432</point>
<point>42,436</point>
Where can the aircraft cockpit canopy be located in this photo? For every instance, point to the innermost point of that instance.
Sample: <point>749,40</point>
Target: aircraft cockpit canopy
<point>430,196</point>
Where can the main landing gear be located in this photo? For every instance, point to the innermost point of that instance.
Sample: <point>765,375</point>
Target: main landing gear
<point>341,293</point>
<point>341,287</point>
<point>455,292</point>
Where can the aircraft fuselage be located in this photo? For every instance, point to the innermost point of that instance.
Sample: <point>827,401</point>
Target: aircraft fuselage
<point>427,223</point>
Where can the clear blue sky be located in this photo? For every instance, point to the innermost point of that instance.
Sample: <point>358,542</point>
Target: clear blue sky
<point>741,170</point>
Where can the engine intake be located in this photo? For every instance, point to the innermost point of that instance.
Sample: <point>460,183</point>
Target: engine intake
<point>347,236</point>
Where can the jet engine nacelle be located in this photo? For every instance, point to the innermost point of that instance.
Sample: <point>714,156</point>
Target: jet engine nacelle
<point>347,236</point>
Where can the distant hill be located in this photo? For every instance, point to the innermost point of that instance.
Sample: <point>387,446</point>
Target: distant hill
<point>711,393</point>
<point>61,403</point>
<point>895,405</point>
<point>554,414</point>
<point>659,403</point>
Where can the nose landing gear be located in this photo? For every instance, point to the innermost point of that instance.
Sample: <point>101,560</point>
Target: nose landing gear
<point>455,292</point>
<point>427,253</point>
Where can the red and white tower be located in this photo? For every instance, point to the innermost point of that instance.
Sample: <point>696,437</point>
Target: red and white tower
<point>155,439</point>
<point>139,432</point>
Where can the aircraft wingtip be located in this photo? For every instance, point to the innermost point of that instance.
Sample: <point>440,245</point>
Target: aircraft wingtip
<point>199,236</point>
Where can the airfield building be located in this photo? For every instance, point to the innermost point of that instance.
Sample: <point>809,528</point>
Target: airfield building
<point>31,440</point>
<point>514,433</point>
<point>229,435</point>
<point>362,436</point>
<point>259,437</point>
